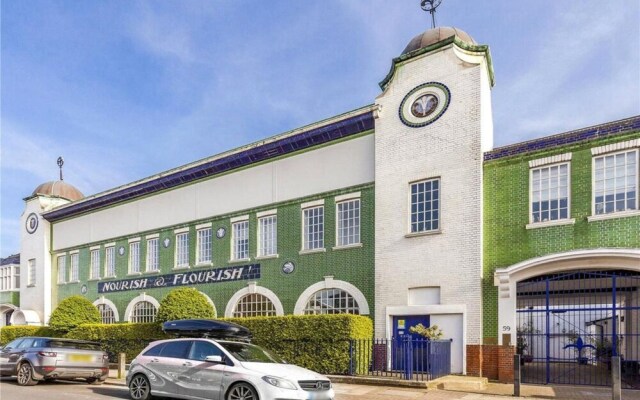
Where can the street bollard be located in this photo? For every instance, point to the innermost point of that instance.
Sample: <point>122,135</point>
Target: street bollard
<point>516,375</point>
<point>616,384</point>
<point>121,365</point>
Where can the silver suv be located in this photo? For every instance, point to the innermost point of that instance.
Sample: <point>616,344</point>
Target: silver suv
<point>35,359</point>
<point>201,368</point>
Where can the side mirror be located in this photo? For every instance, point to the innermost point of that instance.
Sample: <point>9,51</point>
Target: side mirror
<point>214,359</point>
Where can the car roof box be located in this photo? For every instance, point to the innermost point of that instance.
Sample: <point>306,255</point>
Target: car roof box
<point>208,328</point>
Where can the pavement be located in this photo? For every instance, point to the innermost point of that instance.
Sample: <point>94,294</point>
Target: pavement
<point>492,391</point>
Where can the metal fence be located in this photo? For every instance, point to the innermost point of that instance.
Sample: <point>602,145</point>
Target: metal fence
<point>404,358</point>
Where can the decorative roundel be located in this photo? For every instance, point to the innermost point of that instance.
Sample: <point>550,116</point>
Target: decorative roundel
<point>424,104</point>
<point>84,289</point>
<point>221,232</point>
<point>121,250</point>
<point>288,267</point>
<point>166,242</point>
<point>32,223</point>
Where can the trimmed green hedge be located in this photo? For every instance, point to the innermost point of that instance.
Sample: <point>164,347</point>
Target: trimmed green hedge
<point>9,333</point>
<point>73,312</point>
<point>184,303</point>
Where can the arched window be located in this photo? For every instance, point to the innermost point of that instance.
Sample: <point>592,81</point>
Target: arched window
<point>254,305</point>
<point>331,301</point>
<point>106,314</point>
<point>143,311</point>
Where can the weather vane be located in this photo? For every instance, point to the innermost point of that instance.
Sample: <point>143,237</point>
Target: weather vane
<point>431,5</point>
<point>60,164</point>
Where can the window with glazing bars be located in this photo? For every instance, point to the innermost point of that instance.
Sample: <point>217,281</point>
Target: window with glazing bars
<point>110,262</point>
<point>74,272</point>
<point>62,269</point>
<point>425,205</point>
<point>143,312</point>
<point>550,193</point>
<point>616,182</point>
<point>241,240</point>
<point>254,305</point>
<point>348,222</point>
<point>268,235</point>
<point>31,278</point>
<point>204,246</point>
<point>331,301</point>
<point>95,264</point>
<point>313,230</point>
<point>134,257</point>
<point>152,254</point>
<point>182,249</point>
<point>106,314</point>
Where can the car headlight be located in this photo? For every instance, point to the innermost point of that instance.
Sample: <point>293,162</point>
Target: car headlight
<point>279,382</point>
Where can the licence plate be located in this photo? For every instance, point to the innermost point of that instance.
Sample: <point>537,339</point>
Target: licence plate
<point>319,396</point>
<point>80,357</point>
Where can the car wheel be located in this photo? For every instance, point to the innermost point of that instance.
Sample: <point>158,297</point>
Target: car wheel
<point>139,388</point>
<point>94,381</point>
<point>25,375</point>
<point>242,391</point>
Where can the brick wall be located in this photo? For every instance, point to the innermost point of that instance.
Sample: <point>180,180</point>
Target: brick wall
<point>493,362</point>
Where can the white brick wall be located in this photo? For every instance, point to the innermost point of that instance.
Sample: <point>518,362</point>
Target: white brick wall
<point>450,148</point>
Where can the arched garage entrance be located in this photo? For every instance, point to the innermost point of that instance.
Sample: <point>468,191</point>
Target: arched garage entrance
<point>568,314</point>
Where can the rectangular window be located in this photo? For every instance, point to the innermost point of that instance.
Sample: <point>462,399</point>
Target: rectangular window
<point>32,273</point>
<point>550,193</point>
<point>267,235</point>
<point>240,234</point>
<point>204,246</point>
<point>5,278</point>
<point>16,275</point>
<point>425,206</point>
<point>182,250</point>
<point>615,181</point>
<point>152,254</point>
<point>110,262</point>
<point>62,269</point>
<point>134,257</point>
<point>313,230</point>
<point>75,273</point>
<point>348,226</point>
<point>95,264</point>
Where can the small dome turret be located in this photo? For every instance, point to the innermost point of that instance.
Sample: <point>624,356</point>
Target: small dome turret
<point>436,35</point>
<point>58,189</point>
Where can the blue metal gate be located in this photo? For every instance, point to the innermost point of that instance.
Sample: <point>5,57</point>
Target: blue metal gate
<point>570,325</point>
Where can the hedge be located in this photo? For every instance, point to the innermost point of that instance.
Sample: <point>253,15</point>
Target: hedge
<point>185,303</point>
<point>73,312</point>
<point>9,333</point>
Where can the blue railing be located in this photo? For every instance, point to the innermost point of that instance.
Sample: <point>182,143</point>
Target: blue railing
<point>404,358</point>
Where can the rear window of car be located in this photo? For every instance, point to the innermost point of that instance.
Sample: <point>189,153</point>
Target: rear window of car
<point>62,344</point>
<point>178,349</point>
<point>155,350</point>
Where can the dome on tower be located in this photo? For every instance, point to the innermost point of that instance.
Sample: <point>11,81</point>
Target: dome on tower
<point>58,189</point>
<point>436,35</point>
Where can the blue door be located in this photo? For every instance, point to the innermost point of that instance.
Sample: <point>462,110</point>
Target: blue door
<point>409,348</point>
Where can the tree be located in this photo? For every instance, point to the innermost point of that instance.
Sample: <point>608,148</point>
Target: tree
<point>72,312</point>
<point>431,333</point>
<point>185,303</point>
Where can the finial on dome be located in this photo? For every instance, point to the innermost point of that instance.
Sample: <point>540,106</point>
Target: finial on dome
<point>60,164</point>
<point>431,5</point>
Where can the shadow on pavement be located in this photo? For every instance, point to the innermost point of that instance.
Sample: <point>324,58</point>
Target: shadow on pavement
<point>111,391</point>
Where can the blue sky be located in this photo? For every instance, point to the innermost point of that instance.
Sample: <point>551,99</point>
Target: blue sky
<point>127,89</point>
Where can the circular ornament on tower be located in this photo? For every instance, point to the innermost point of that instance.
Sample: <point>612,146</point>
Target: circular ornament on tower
<point>424,104</point>
<point>32,223</point>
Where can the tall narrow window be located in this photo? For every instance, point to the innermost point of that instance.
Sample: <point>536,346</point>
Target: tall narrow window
<point>152,254</point>
<point>134,257</point>
<point>31,281</point>
<point>425,206</point>
<point>110,262</point>
<point>550,193</point>
<point>95,264</point>
<point>204,246</point>
<point>74,273</point>
<point>348,222</point>
<point>62,269</point>
<point>313,230</point>
<point>240,234</point>
<point>182,250</point>
<point>616,182</point>
<point>267,236</point>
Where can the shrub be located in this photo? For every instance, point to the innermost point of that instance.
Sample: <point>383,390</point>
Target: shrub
<point>9,333</point>
<point>185,303</point>
<point>72,312</point>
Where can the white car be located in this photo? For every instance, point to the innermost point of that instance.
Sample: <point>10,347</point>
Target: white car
<point>202,368</point>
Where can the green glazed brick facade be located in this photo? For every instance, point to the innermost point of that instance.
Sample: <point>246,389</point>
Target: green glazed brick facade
<point>10,297</point>
<point>506,208</point>
<point>354,265</point>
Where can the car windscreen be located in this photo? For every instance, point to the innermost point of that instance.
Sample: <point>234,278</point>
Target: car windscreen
<point>63,344</point>
<point>250,353</point>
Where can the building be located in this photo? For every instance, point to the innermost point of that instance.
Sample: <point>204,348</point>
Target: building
<point>398,210</point>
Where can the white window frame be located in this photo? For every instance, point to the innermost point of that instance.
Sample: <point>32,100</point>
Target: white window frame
<point>439,209</point>
<point>31,272</point>
<point>235,225</point>
<point>614,214</point>
<point>134,257</point>
<point>338,236</point>
<point>272,249</point>
<point>94,270</point>
<point>152,257</point>
<point>62,268</point>
<point>204,247</point>
<point>110,261</point>
<point>550,222</point>
<point>9,278</point>
<point>74,267</point>
<point>181,259</point>
<point>305,243</point>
